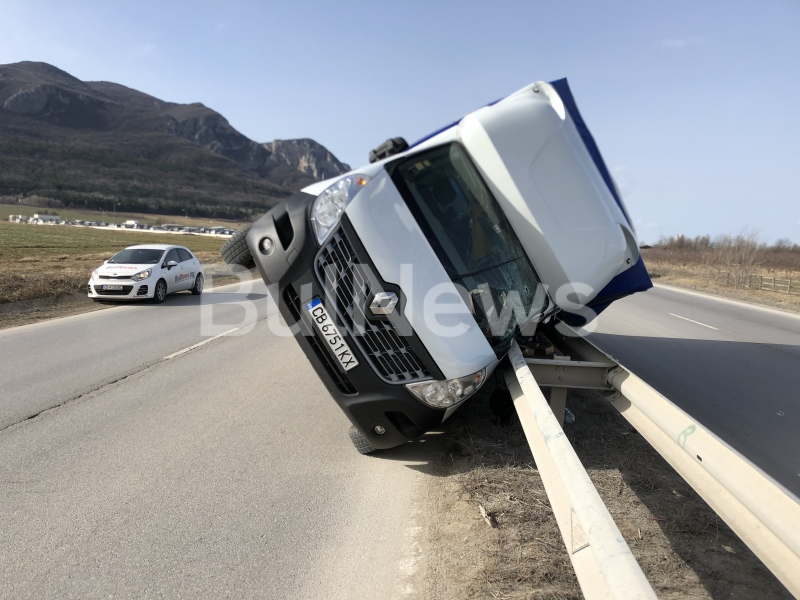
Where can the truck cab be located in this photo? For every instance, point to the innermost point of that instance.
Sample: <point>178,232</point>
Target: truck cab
<point>406,280</point>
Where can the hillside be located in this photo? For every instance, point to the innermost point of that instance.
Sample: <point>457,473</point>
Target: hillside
<point>90,144</point>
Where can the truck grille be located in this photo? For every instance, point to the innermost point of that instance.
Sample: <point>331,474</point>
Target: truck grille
<point>388,353</point>
<point>340,380</point>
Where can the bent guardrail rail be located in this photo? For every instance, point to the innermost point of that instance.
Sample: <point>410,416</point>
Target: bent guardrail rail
<point>759,510</point>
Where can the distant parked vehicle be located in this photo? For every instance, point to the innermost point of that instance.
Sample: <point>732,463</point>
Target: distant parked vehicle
<point>147,272</point>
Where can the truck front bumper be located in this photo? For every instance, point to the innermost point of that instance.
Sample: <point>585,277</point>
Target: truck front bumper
<point>297,270</point>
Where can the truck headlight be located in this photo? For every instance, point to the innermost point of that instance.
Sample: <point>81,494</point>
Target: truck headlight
<point>442,394</point>
<point>330,204</point>
<point>142,275</point>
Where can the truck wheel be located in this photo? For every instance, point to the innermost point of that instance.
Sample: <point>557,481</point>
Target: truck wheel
<point>360,442</point>
<point>236,252</point>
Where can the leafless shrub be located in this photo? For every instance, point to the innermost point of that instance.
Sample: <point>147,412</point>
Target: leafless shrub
<point>740,255</point>
<point>729,259</point>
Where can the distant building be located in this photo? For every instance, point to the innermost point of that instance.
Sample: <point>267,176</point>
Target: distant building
<point>18,218</point>
<point>45,219</point>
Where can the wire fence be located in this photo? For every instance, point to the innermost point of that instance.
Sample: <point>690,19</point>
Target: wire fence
<point>760,282</point>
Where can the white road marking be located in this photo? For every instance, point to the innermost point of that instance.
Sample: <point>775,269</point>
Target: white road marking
<point>691,321</point>
<point>761,307</point>
<point>197,345</point>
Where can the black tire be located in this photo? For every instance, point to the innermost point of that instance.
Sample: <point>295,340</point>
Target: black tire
<point>360,442</point>
<point>160,293</point>
<point>236,252</point>
<point>197,288</point>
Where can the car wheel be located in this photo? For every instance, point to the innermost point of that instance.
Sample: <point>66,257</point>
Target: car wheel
<point>197,289</point>
<point>360,442</point>
<point>160,293</point>
<point>236,252</point>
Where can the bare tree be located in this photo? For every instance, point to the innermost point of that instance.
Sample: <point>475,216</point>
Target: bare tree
<point>740,254</point>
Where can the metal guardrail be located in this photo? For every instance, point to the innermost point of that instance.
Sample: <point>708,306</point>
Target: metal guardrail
<point>760,511</point>
<point>602,560</point>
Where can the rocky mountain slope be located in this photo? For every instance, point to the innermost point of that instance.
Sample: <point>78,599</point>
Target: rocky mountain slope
<point>89,144</point>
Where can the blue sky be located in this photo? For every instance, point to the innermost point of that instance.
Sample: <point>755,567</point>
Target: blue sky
<point>693,104</point>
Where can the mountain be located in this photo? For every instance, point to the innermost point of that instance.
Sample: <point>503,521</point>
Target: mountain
<point>89,144</point>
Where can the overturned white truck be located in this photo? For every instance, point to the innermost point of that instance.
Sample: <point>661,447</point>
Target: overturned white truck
<point>407,279</point>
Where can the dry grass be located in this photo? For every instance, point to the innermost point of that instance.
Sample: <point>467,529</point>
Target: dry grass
<point>44,269</point>
<point>694,277</point>
<point>43,261</point>
<point>684,549</point>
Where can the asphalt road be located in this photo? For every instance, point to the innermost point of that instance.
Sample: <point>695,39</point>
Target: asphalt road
<point>734,367</point>
<point>131,466</point>
<point>222,472</point>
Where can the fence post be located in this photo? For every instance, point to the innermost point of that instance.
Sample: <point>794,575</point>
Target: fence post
<point>727,278</point>
<point>773,284</point>
<point>761,282</point>
<point>789,287</point>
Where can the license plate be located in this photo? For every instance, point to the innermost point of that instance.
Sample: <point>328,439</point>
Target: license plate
<point>331,334</point>
<point>112,287</point>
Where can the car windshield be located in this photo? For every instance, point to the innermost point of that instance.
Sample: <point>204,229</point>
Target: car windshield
<point>473,240</point>
<point>137,256</point>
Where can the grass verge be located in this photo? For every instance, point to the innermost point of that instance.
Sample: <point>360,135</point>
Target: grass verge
<point>695,279</point>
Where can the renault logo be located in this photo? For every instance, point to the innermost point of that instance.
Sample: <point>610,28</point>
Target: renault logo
<point>383,303</point>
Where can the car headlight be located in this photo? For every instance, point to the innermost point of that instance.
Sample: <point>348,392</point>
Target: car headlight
<point>95,274</point>
<point>442,394</point>
<point>142,275</point>
<point>330,204</point>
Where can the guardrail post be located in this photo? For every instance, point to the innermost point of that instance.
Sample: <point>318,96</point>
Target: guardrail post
<point>558,403</point>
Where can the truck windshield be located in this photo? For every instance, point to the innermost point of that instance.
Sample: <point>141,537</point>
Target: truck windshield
<point>472,238</point>
<point>137,256</point>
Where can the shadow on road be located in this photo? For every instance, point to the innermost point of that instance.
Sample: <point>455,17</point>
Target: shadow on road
<point>188,299</point>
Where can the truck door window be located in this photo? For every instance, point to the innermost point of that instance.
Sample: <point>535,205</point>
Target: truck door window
<point>472,238</point>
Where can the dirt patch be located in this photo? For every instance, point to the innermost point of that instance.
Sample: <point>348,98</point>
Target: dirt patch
<point>684,549</point>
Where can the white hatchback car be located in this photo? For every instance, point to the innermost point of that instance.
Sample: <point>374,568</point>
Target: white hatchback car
<point>147,272</point>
